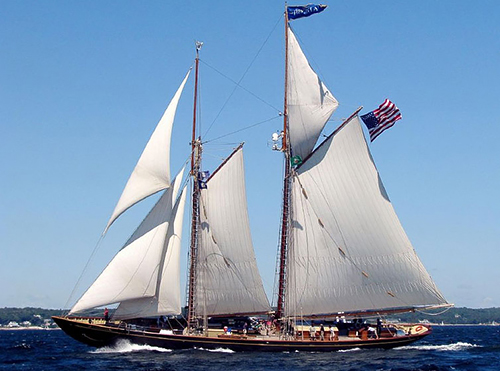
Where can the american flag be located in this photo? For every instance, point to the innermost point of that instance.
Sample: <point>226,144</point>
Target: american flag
<point>381,119</point>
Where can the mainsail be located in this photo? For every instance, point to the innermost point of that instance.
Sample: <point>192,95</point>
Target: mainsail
<point>152,172</point>
<point>309,103</point>
<point>228,281</point>
<point>147,262</point>
<point>348,251</point>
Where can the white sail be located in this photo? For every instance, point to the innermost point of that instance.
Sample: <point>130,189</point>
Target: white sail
<point>348,251</point>
<point>228,280</point>
<point>152,172</point>
<point>167,299</point>
<point>134,271</point>
<point>309,102</point>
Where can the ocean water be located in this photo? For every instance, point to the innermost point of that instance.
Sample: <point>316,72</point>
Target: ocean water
<point>448,348</point>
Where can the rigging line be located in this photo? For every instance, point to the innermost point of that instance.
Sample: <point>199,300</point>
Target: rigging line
<point>232,93</point>
<point>243,129</point>
<point>190,182</point>
<point>237,85</point>
<point>84,270</point>
<point>242,77</point>
<point>277,268</point>
<point>219,157</point>
<point>184,181</point>
<point>221,146</point>
<point>341,119</point>
<point>434,314</point>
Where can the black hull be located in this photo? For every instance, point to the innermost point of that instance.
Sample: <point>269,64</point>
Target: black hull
<point>97,335</point>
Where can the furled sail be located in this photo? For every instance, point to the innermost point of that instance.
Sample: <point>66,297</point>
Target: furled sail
<point>134,273</point>
<point>348,251</point>
<point>309,102</point>
<point>228,280</point>
<point>152,172</point>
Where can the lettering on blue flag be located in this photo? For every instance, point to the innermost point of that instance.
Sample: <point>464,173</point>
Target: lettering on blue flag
<point>381,119</point>
<point>301,11</point>
<point>202,179</point>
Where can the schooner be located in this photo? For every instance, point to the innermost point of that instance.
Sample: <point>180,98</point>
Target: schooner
<point>343,254</point>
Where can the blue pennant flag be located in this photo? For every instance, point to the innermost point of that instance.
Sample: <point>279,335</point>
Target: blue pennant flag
<point>202,179</point>
<point>301,11</point>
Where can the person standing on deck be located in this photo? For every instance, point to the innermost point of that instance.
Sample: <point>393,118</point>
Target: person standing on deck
<point>245,326</point>
<point>332,332</point>
<point>106,315</point>
<point>312,332</point>
<point>322,333</point>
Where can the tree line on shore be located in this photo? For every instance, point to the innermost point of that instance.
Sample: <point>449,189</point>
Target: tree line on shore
<point>453,316</point>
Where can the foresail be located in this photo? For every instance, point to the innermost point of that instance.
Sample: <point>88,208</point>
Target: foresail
<point>309,103</point>
<point>348,251</point>
<point>152,172</point>
<point>167,299</point>
<point>228,281</point>
<point>134,271</point>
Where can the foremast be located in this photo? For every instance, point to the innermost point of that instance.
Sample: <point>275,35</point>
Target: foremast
<point>196,150</point>
<point>223,275</point>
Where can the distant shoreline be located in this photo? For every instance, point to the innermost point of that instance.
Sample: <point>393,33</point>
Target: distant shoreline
<point>28,328</point>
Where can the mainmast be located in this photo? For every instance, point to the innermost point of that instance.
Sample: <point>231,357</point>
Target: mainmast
<point>195,169</point>
<point>286,190</point>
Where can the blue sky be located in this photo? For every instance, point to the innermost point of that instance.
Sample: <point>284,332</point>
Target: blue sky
<point>83,84</point>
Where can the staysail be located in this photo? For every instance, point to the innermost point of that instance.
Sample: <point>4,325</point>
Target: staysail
<point>348,251</point>
<point>228,281</point>
<point>152,172</point>
<point>135,272</point>
<point>167,298</point>
<point>309,102</point>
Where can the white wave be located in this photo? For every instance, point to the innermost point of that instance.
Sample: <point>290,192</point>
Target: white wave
<point>218,350</point>
<point>447,347</point>
<point>125,346</point>
<point>349,350</point>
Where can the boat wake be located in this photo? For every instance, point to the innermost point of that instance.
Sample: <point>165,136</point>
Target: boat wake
<point>125,346</point>
<point>218,350</point>
<point>349,350</point>
<point>441,348</point>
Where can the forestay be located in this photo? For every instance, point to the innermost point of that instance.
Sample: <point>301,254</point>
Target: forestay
<point>147,263</point>
<point>152,172</point>
<point>310,104</point>
<point>228,281</point>
<point>348,251</point>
